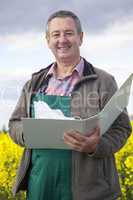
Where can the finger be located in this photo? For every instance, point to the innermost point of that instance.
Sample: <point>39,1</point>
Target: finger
<point>73,146</point>
<point>77,135</point>
<point>97,132</point>
<point>94,132</point>
<point>70,139</point>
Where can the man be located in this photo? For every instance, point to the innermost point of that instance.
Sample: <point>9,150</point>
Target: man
<point>89,172</point>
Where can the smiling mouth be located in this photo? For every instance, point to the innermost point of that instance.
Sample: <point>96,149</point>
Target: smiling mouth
<point>63,49</point>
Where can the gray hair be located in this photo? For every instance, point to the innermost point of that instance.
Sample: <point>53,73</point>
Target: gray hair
<point>64,14</point>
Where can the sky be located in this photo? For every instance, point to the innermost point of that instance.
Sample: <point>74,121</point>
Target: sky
<point>107,44</point>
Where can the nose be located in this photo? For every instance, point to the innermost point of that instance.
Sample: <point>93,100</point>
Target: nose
<point>62,38</point>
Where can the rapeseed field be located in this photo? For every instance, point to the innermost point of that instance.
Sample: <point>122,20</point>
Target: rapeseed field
<point>10,155</point>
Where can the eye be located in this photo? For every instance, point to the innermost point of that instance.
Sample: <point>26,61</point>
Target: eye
<point>55,35</point>
<point>70,33</point>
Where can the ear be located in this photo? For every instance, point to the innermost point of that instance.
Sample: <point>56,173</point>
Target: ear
<point>81,38</point>
<point>47,38</point>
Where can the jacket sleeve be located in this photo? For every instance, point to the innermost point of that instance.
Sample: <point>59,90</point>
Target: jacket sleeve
<point>115,138</point>
<point>15,122</point>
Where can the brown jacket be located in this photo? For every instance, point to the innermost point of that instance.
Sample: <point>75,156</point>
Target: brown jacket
<point>94,176</point>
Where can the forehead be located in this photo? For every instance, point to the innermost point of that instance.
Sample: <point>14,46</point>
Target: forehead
<point>59,23</point>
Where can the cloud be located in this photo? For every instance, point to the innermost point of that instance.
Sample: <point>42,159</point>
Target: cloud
<point>10,87</point>
<point>23,53</point>
<point>24,16</point>
<point>107,44</point>
<point>22,41</point>
<point>112,48</point>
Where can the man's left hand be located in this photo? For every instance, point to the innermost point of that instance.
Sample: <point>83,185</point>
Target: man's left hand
<point>83,143</point>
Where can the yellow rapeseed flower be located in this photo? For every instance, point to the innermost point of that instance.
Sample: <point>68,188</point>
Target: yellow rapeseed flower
<point>124,160</point>
<point>10,155</point>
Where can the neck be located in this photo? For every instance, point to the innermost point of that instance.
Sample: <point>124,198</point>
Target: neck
<point>66,68</point>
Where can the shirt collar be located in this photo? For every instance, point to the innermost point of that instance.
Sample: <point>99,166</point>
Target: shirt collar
<point>79,68</point>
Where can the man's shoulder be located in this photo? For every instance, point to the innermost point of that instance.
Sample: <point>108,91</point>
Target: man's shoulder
<point>102,74</point>
<point>36,76</point>
<point>106,80</point>
<point>103,78</point>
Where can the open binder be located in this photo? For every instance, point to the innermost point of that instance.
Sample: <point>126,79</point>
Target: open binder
<point>48,133</point>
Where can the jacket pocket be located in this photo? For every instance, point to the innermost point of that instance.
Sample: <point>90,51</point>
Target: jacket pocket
<point>103,171</point>
<point>86,171</point>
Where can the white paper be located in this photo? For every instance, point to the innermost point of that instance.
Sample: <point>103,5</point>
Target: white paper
<point>43,111</point>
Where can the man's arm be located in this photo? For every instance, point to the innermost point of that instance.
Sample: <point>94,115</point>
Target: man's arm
<point>115,138</point>
<point>112,140</point>
<point>15,122</point>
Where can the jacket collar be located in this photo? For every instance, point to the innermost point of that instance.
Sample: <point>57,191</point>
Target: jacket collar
<point>39,77</point>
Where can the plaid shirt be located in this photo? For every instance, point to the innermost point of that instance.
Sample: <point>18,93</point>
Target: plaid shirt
<point>64,86</point>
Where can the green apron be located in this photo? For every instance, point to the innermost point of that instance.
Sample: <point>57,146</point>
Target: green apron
<point>50,175</point>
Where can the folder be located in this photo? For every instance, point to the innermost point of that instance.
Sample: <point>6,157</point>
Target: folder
<point>48,133</point>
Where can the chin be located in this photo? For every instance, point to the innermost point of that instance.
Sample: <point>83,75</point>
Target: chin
<point>64,58</point>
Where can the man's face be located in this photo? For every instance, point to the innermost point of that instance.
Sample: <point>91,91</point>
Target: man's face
<point>63,39</point>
